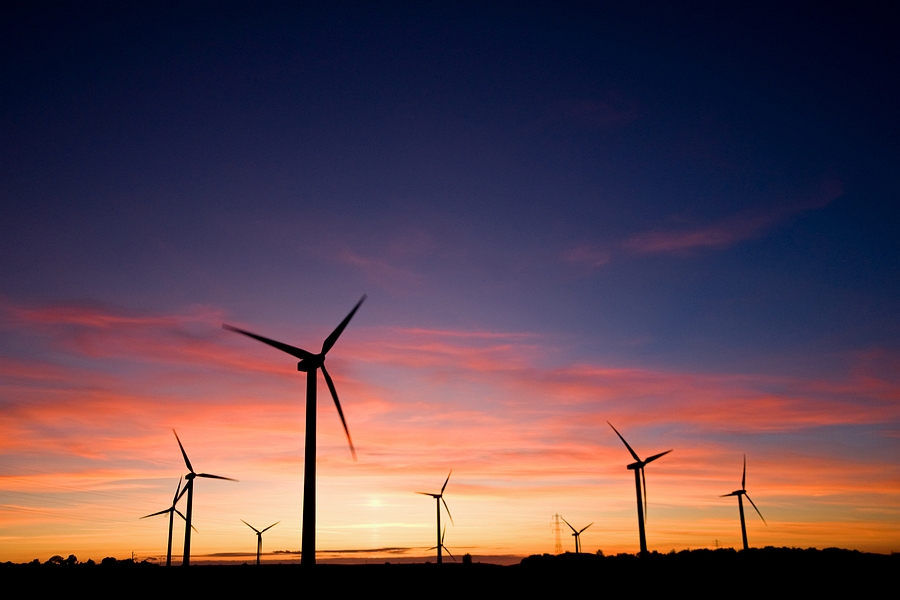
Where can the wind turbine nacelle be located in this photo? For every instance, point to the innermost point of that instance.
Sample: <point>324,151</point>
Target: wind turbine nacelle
<point>310,364</point>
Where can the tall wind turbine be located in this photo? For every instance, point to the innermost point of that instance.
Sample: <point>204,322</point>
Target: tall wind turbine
<point>171,512</point>
<point>259,536</point>
<point>577,534</point>
<point>310,363</point>
<point>639,479</point>
<point>438,499</point>
<point>189,488</point>
<point>743,492</point>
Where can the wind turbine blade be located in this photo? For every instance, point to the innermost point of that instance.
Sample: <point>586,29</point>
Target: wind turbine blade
<point>447,508</point>
<point>183,453</point>
<point>644,481</point>
<point>162,512</point>
<point>585,527</point>
<point>655,456</point>
<point>444,487</point>
<point>337,404</point>
<point>726,495</point>
<point>271,526</point>
<point>744,476</point>
<point>185,520</point>
<point>567,523</point>
<point>448,552</point>
<point>250,526</point>
<point>293,351</point>
<point>427,494</point>
<point>757,510</point>
<point>633,453</point>
<point>331,339</point>
<point>178,489</point>
<point>208,476</point>
<point>443,535</point>
<point>184,490</point>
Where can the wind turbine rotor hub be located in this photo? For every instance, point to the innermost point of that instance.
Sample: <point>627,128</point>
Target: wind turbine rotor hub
<point>635,466</point>
<point>190,476</point>
<point>311,364</point>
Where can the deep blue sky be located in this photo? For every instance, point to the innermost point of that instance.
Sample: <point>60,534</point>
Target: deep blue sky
<point>476,168</point>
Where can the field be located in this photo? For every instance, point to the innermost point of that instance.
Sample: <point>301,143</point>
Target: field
<point>770,571</point>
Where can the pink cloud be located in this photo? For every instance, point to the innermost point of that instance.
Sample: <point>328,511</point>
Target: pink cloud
<point>586,255</point>
<point>730,230</point>
<point>381,272</point>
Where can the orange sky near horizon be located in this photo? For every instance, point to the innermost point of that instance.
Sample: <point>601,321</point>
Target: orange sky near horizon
<point>89,402</point>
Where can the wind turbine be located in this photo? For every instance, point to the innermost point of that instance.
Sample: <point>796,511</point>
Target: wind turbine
<point>259,536</point>
<point>743,492</point>
<point>443,535</point>
<point>639,478</point>
<point>171,512</point>
<point>438,499</point>
<point>310,363</point>
<point>189,488</point>
<point>577,534</point>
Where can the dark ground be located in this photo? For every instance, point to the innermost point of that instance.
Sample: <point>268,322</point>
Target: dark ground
<point>776,572</point>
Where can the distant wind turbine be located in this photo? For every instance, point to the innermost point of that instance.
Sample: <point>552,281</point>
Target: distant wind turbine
<point>171,511</point>
<point>443,535</point>
<point>577,534</point>
<point>259,536</point>
<point>440,498</point>
<point>310,363</point>
<point>740,493</point>
<point>189,488</point>
<point>639,478</point>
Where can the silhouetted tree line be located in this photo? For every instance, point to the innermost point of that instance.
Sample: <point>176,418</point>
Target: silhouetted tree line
<point>769,571</point>
<point>72,560</point>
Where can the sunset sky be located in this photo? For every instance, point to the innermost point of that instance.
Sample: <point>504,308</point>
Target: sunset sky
<point>681,219</point>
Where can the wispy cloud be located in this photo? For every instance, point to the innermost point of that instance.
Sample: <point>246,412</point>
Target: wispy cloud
<point>586,255</point>
<point>382,273</point>
<point>728,231</point>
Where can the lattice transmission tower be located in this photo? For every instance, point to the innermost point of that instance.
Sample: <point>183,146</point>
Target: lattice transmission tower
<point>557,529</point>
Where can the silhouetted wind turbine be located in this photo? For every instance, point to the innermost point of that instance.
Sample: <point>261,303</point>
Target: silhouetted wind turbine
<point>171,512</point>
<point>577,534</point>
<point>743,492</point>
<point>259,536</point>
<point>310,363</point>
<point>440,498</point>
<point>639,478</point>
<point>443,535</point>
<point>189,488</point>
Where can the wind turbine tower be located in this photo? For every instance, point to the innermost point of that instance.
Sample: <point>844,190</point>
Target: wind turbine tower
<point>311,364</point>
<point>189,488</point>
<point>259,536</point>
<point>740,494</point>
<point>640,483</point>
<point>171,512</point>
<point>577,534</point>
<point>439,498</point>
